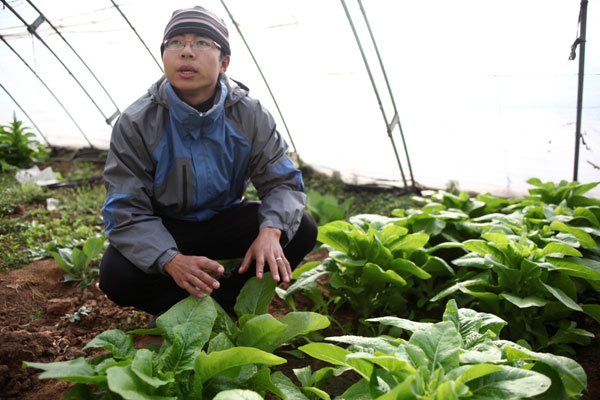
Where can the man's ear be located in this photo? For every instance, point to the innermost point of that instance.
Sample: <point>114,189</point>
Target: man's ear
<point>225,64</point>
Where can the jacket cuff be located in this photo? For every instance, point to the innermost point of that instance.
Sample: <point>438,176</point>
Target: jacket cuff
<point>166,258</point>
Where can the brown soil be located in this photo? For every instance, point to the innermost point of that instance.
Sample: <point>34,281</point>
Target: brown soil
<point>33,302</point>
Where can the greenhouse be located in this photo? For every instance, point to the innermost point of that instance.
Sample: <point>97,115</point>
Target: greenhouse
<point>447,154</point>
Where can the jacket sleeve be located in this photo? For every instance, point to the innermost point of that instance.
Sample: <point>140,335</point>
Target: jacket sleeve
<point>129,220</point>
<point>277,180</point>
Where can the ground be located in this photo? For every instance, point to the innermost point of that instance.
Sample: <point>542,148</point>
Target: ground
<point>33,305</point>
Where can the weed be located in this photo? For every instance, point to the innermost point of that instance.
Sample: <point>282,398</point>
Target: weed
<point>77,315</point>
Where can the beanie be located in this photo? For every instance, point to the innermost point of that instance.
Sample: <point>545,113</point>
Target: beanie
<point>200,21</point>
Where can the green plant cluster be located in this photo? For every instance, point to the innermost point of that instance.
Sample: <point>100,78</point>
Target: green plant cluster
<point>36,231</point>
<point>459,357</point>
<point>18,148</point>
<point>204,353</point>
<point>533,261</point>
<point>76,262</point>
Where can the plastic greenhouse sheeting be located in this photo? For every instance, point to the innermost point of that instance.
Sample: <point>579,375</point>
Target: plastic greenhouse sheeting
<point>485,90</point>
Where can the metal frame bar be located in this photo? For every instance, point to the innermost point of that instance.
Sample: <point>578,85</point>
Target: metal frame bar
<point>49,90</point>
<point>261,74</point>
<point>581,42</point>
<point>395,119</point>
<point>25,112</point>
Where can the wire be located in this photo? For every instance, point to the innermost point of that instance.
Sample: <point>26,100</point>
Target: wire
<point>24,112</point>
<point>136,34</point>
<point>49,90</point>
<point>77,54</point>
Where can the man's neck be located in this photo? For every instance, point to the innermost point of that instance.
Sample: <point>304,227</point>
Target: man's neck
<point>194,99</point>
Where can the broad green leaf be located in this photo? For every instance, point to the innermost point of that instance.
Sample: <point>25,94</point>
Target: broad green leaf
<point>188,341</point>
<point>406,324</point>
<point>78,258</point>
<point>410,242</point>
<point>441,343</point>
<point>335,234</point>
<point>373,274</point>
<point>92,247</point>
<point>562,297</point>
<point>393,364</point>
<point>408,268</point>
<point>467,373</point>
<point>347,260</point>
<point>142,367</point>
<point>237,394</point>
<point>571,373</point>
<point>593,310</point>
<point>255,296</point>
<point>116,341</point>
<point>309,277</point>
<point>559,248</point>
<point>573,268</point>
<point>471,260</point>
<point>259,331</point>
<point>220,342</point>
<point>77,370</point>
<point>207,366</point>
<point>509,383</point>
<point>381,344</point>
<point>125,383</point>
<point>200,313</point>
<point>400,392</point>
<point>472,321</point>
<point>480,354</point>
<point>296,324</point>
<point>584,188</point>
<point>524,302</point>
<point>582,236</point>
<point>287,387</point>
<point>337,356</point>
<point>482,247</point>
<point>459,286</point>
<point>304,268</point>
<point>581,212</point>
<point>321,394</point>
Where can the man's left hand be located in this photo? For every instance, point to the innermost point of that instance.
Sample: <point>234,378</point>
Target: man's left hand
<point>266,248</point>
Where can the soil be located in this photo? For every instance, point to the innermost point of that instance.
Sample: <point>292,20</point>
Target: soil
<point>34,302</point>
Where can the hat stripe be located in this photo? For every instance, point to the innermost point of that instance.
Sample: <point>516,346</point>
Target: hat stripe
<point>196,19</point>
<point>200,21</point>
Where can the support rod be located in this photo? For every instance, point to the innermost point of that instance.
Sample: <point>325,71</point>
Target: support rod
<point>261,74</point>
<point>34,33</point>
<point>138,36</point>
<point>49,90</point>
<point>366,62</point>
<point>77,54</point>
<point>24,112</point>
<point>581,41</point>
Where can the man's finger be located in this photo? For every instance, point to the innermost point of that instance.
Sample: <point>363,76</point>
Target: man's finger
<point>274,266</point>
<point>246,263</point>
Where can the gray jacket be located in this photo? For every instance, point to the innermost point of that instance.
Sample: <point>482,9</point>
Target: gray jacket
<point>166,159</point>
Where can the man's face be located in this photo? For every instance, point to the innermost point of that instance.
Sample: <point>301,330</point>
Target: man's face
<point>194,72</point>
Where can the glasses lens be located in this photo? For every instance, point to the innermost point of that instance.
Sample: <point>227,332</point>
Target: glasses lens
<point>198,45</point>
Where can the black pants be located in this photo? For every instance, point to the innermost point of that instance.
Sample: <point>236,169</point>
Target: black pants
<point>226,236</point>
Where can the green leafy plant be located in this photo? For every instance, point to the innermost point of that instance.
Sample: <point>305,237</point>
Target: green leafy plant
<point>75,262</point>
<point>326,208</point>
<point>204,354</point>
<point>17,146</point>
<point>460,357</point>
<point>374,265</point>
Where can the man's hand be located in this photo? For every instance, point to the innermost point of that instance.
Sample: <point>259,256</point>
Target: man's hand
<point>188,273</point>
<point>266,248</point>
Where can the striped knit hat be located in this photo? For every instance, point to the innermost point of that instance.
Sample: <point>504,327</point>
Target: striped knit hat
<point>200,21</point>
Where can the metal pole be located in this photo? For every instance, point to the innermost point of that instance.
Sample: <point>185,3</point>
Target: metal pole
<point>49,90</point>
<point>364,57</point>
<point>31,28</point>
<point>24,112</point>
<point>78,56</point>
<point>261,74</point>
<point>136,34</point>
<point>396,118</point>
<point>581,42</point>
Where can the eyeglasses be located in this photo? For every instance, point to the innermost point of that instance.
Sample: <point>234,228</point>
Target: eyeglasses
<point>196,45</point>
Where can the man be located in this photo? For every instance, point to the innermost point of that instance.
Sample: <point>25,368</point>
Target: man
<point>179,162</point>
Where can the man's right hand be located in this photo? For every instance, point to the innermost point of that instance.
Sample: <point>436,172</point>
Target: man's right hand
<point>188,272</point>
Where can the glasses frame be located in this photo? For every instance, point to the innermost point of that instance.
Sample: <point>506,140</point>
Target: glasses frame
<point>192,45</point>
